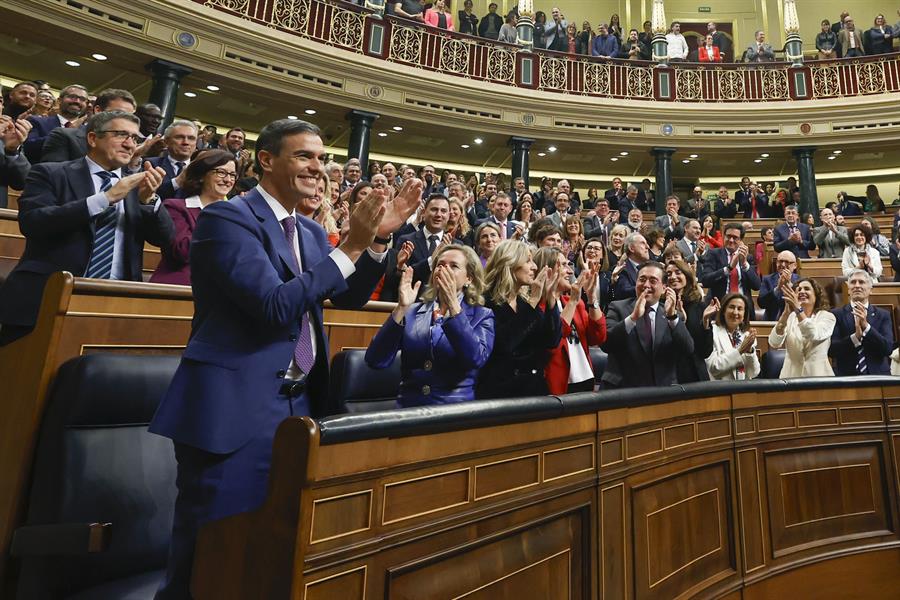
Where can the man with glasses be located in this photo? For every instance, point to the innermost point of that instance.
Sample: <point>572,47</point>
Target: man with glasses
<point>84,216</point>
<point>181,141</point>
<point>645,334</point>
<point>73,102</point>
<point>69,143</point>
<point>770,296</point>
<point>730,269</point>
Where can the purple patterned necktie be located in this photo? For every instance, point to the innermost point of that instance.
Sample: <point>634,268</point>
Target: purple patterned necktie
<point>303,351</point>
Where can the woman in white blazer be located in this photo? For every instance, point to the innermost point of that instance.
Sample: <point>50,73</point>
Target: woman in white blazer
<point>861,254</point>
<point>804,331</point>
<point>734,342</point>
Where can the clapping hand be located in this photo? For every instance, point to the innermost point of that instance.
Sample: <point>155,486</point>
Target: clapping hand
<point>407,292</point>
<point>401,207</point>
<point>550,292</point>
<point>859,318</point>
<point>791,303</point>
<point>711,310</point>
<point>784,278</point>
<point>404,253</point>
<point>671,304</point>
<point>153,178</point>
<point>536,288</point>
<point>14,133</point>
<point>748,341</point>
<point>446,290</point>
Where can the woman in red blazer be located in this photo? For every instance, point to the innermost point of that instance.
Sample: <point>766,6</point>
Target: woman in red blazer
<point>569,365</point>
<point>439,16</point>
<point>708,52</point>
<point>208,179</point>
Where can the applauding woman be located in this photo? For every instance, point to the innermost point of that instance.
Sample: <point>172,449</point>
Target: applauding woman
<point>734,342</point>
<point>860,254</point>
<point>526,323</point>
<point>445,339</point>
<point>569,365</point>
<point>804,331</point>
<point>697,317</point>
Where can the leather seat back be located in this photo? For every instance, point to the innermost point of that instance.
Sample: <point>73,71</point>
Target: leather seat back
<point>355,387</point>
<point>598,361</point>
<point>96,462</point>
<point>771,363</point>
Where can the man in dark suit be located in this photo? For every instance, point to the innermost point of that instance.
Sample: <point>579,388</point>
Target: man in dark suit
<point>645,334</point>
<point>599,224</point>
<point>86,217</point>
<point>13,163</point>
<point>863,336</point>
<point>500,215</point>
<point>752,201</point>
<point>73,101</point>
<point>181,141</point>
<point>720,41</point>
<point>671,223</point>
<point>425,240</point>
<point>726,207</point>
<point>848,206</point>
<point>70,143</point>
<point>258,352</point>
<point>770,297</point>
<point>614,194</point>
<point>793,235</point>
<point>836,27</point>
<point>22,98</point>
<point>625,274</point>
<point>730,269</point>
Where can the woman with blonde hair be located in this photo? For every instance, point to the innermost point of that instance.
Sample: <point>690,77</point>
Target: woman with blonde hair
<point>734,341</point>
<point>804,331</point>
<point>457,223</point>
<point>445,339</point>
<point>526,322</point>
<point>616,245</point>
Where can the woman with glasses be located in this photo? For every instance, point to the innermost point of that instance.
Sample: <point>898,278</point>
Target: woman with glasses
<point>569,366</point>
<point>208,179</point>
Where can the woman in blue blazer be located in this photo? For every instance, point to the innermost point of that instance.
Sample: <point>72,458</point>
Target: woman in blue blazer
<point>443,340</point>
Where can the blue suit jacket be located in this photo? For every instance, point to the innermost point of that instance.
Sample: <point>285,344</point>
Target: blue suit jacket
<point>444,358</point>
<point>625,284</point>
<point>782,243</point>
<point>40,129</point>
<point>715,280</point>
<point>248,303</point>
<point>878,343</point>
<point>166,188</point>
<point>770,298</point>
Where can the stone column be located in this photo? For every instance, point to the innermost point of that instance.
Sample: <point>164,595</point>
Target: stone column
<point>167,78</point>
<point>806,168</point>
<point>360,132</point>
<point>520,146</point>
<point>660,27</point>
<point>663,176</point>
<point>793,47</point>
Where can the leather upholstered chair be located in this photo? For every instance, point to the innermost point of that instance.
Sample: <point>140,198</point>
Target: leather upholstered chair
<point>598,361</point>
<point>770,364</point>
<point>355,387</point>
<point>96,463</point>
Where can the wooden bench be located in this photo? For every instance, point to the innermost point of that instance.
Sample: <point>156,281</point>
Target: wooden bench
<point>12,199</point>
<point>710,492</point>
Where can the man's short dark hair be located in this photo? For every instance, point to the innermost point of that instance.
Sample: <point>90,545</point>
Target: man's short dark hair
<point>654,264</point>
<point>28,83</point>
<point>272,134</point>
<point>432,197</point>
<point>99,121</point>
<point>108,95</point>
<point>233,129</point>
<point>737,226</point>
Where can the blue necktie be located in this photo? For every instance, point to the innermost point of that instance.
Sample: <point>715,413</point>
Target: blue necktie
<point>100,265</point>
<point>303,351</point>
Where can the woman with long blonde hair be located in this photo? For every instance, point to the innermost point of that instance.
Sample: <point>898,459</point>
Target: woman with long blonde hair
<point>526,322</point>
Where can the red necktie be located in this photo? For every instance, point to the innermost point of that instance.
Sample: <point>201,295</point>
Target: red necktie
<point>733,283</point>
<point>755,214</point>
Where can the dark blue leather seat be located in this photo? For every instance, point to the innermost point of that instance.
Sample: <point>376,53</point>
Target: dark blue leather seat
<point>770,364</point>
<point>355,387</point>
<point>97,463</point>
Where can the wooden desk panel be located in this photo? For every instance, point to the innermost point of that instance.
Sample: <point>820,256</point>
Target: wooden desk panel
<point>12,242</point>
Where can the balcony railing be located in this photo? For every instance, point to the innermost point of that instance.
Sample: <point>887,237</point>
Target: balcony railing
<point>355,29</point>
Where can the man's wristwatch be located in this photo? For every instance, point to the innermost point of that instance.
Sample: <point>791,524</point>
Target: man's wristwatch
<point>381,240</point>
<point>152,199</point>
<point>672,317</point>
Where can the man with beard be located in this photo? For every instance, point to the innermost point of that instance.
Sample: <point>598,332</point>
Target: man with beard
<point>72,105</point>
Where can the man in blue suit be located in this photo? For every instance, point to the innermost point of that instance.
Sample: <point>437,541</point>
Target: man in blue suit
<point>73,101</point>
<point>69,143</point>
<point>770,296</point>
<point>729,269</point>
<point>181,141</point>
<point>863,336</point>
<point>258,352</point>
<point>84,216</point>
<point>793,235</point>
<point>624,275</point>
<point>500,212</point>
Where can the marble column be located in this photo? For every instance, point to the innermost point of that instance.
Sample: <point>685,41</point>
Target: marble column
<point>663,176</point>
<point>360,133</point>
<point>167,78</point>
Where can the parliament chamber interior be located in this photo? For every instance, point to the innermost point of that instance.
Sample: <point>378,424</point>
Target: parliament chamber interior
<point>443,299</point>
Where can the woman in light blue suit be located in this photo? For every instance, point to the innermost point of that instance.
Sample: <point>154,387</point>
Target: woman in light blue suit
<point>443,340</point>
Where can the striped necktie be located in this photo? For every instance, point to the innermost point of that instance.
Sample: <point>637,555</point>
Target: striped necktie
<point>100,264</point>
<point>303,351</point>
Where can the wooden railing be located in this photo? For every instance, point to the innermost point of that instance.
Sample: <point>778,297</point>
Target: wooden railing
<point>352,28</point>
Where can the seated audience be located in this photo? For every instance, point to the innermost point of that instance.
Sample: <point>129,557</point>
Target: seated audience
<point>793,235</point>
<point>770,298</point>
<point>569,367</point>
<point>445,339</point>
<point>207,179</point>
<point>861,255</point>
<point>878,241</point>
<point>729,270</point>
<point>863,334</point>
<point>804,331</point>
<point>625,273</point>
<point>86,217</point>
<point>697,317</point>
<point>645,334</point>
<point>69,143</point>
<point>526,323</point>
<point>767,236</point>
<point>734,341</point>
<point>830,238</point>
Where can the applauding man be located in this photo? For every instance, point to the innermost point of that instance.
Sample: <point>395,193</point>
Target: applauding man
<point>729,270</point>
<point>863,336</point>
<point>84,216</point>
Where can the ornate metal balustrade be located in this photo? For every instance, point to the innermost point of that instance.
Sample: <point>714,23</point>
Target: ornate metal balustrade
<point>355,29</point>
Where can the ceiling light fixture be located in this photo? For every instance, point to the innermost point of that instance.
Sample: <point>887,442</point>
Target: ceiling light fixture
<point>623,154</point>
<point>551,149</point>
<point>695,156</point>
<point>542,154</point>
<point>98,56</point>
<point>463,145</point>
<point>310,111</point>
<point>478,140</point>
<point>292,117</point>
<point>686,161</point>
<point>191,94</point>
<point>837,152</point>
<point>73,63</point>
<point>614,158</point>
<point>382,134</point>
<point>832,157</point>
<point>397,128</point>
<point>764,155</point>
<point>758,160</point>
<point>213,88</point>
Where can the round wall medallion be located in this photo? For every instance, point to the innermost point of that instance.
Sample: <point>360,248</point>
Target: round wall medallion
<point>186,40</point>
<point>667,129</point>
<point>805,128</point>
<point>374,91</point>
<point>528,119</point>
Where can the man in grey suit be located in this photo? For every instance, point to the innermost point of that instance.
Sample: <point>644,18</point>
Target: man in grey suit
<point>671,222</point>
<point>70,143</point>
<point>690,245</point>
<point>830,238</point>
<point>562,204</point>
<point>646,334</point>
<point>760,51</point>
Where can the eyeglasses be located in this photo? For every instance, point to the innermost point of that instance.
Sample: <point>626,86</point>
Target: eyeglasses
<point>122,135</point>
<point>223,174</point>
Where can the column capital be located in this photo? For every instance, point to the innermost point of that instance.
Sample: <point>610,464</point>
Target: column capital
<point>662,151</point>
<point>804,151</point>
<point>362,116</point>
<point>165,68</point>
<point>520,142</point>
